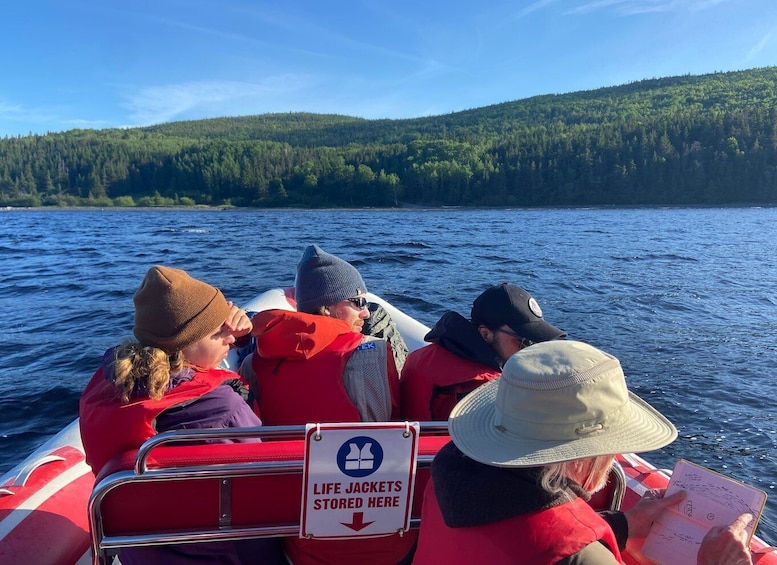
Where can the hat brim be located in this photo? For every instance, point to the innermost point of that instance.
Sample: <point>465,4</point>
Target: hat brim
<point>538,331</point>
<point>473,429</point>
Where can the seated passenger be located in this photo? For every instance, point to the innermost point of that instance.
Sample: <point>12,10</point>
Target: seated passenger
<point>528,451</point>
<point>315,365</point>
<point>465,354</point>
<point>168,380</point>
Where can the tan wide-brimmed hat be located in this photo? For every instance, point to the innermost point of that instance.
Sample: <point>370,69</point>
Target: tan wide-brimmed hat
<point>556,401</point>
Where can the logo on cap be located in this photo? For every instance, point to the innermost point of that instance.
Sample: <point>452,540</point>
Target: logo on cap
<point>535,307</point>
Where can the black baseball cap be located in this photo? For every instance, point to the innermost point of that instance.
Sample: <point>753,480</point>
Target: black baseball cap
<point>511,305</point>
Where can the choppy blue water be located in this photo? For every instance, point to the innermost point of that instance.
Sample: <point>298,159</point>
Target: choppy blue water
<point>685,298</point>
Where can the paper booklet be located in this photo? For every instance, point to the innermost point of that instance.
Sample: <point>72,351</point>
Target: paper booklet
<point>713,500</point>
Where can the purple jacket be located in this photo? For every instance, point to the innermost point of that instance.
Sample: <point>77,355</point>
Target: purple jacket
<point>222,407</point>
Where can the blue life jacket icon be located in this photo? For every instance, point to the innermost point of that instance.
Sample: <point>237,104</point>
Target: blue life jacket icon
<point>360,456</point>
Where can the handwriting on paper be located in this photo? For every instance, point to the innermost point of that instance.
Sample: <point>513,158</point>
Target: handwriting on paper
<point>712,500</point>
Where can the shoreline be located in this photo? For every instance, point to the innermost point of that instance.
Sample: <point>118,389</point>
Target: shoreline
<point>409,208</point>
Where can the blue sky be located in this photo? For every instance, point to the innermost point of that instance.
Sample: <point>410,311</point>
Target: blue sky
<point>105,63</point>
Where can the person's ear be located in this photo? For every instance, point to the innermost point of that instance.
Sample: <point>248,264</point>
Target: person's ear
<point>486,334</point>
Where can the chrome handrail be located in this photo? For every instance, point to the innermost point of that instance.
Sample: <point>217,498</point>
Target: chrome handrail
<point>101,544</point>
<point>258,432</point>
<point>617,472</point>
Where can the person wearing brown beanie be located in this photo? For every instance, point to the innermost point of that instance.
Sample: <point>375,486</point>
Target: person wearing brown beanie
<point>168,379</point>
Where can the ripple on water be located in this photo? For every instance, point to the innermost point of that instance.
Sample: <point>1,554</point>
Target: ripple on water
<point>683,297</point>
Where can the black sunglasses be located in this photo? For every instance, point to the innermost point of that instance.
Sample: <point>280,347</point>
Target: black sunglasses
<point>358,301</point>
<point>525,342</point>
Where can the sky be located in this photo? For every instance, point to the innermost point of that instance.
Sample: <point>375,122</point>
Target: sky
<point>113,64</point>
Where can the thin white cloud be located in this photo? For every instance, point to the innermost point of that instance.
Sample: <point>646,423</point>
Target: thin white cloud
<point>234,37</point>
<point>10,111</point>
<point>86,124</point>
<point>158,104</point>
<point>593,6</point>
<point>636,7</point>
<point>209,31</point>
<point>425,66</point>
<point>43,119</point>
<point>625,7</point>
<point>701,4</point>
<point>324,36</point>
<point>510,18</point>
<point>767,39</point>
<point>17,113</point>
<point>534,6</point>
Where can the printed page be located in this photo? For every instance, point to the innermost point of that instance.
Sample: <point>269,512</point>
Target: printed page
<point>713,500</point>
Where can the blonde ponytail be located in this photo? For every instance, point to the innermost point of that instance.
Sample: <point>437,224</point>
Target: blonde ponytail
<point>144,368</point>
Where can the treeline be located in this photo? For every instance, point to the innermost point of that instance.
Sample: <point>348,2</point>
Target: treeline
<point>691,140</point>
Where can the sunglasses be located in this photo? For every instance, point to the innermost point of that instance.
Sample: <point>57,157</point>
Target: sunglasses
<point>524,341</point>
<point>359,301</point>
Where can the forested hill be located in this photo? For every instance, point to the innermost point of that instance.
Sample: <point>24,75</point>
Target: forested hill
<point>689,140</point>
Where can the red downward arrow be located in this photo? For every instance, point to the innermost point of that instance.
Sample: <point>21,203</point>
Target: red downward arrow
<point>357,523</point>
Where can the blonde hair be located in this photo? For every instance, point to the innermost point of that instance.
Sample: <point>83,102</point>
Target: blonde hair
<point>144,367</point>
<point>590,473</point>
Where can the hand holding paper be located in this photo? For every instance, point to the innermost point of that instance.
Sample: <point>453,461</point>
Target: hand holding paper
<point>642,515</point>
<point>726,544</point>
<point>717,509</point>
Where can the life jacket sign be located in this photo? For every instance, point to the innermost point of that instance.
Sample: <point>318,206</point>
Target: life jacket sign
<point>358,479</point>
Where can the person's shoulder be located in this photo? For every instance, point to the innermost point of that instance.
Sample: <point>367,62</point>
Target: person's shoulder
<point>371,343</point>
<point>432,351</point>
<point>450,324</point>
<point>226,408</point>
<point>222,398</point>
<point>420,354</point>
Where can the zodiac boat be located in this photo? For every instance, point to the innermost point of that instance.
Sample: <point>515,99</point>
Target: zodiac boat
<point>53,511</point>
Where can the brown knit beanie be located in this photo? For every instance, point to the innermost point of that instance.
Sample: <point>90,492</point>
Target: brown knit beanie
<point>174,310</point>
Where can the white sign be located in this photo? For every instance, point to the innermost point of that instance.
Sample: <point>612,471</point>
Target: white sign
<point>358,479</point>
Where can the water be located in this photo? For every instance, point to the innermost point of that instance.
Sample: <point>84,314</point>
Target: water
<point>685,298</point>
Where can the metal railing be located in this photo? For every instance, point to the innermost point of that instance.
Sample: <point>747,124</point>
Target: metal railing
<point>105,545</point>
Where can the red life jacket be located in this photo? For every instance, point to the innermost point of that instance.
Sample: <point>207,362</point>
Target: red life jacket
<point>539,538</point>
<point>299,364</point>
<point>301,381</point>
<point>434,380</point>
<point>110,427</point>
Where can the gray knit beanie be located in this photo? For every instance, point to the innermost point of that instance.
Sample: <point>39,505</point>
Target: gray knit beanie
<point>174,310</point>
<point>323,280</point>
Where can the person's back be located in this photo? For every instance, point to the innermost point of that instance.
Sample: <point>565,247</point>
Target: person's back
<point>168,380</point>
<point>315,365</point>
<point>436,376</point>
<point>464,354</point>
<point>311,368</point>
<point>528,451</point>
<point>503,516</point>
